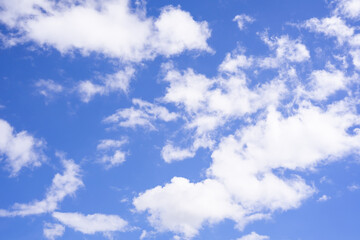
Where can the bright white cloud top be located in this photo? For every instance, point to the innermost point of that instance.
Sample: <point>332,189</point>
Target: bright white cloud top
<point>184,124</point>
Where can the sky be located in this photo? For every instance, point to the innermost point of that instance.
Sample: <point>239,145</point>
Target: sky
<point>180,120</point>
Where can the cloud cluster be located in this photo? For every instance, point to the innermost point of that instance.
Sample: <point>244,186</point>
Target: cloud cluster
<point>263,135</point>
<point>336,26</point>
<point>243,180</point>
<point>256,170</point>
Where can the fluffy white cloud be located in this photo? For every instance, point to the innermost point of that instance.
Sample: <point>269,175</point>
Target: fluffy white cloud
<point>325,83</point>
<point>111,155</point>
<point>182,207</point>
<point>348,8</point>
<point>335,26</point>
<point>242,19</point>
<point>53,231</point>
<point>209,102</point>
<point>245,180</point>
<point>13,11</point>
<point>331,27</point>
<point>286,51</point>
<point>19,150</point>
<point>118,81</point>
<point>92,223</point>
<point>110,27</point>
<point>48,88</point>
<point>142,115</point>
<point>170,153</point>
<point>62,185</point>
<point>301,140</point>
<point>235,62</point>
<point>356,58</point>
<point>177,31</point>
<point>253,171</point>
<point>254,236</point>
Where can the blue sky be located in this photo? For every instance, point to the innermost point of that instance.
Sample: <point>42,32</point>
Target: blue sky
<point>178,120</point>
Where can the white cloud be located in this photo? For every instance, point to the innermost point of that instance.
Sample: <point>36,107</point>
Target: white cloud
<point>299,141</point>
<point>62,185</point>
<point>325,83</point>
<point>143,115</point>
<point>335,26</point>
<point>177,31</point>
<point>254,236</point>
<point>13,11</point>
<point>286,51</point>
<point>254,171</point>
<point>243,183</point>
<point>325,179</point>
<point>234,62</point>
<point>110,27</point>
<point>353,187</point>
<point>110,143</point>
<point>87,90</point>
<point>182,207</point>
<point>348,8</point>
<point>356,58</point>
<point>324,198</point>
<point>92,223</point>
<point>117,82</point>
<point>53,231</point>
<point>170,153</point>
<point>146,235</point>
<point>48,88</point>
<point>143,234</point>
<point>210,102</point>
<point>111,155</point>
<point>19,150</point>
<point>242,20</point>
<point>331,27</point>
<point>355,40</point>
